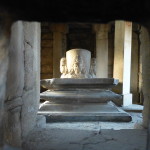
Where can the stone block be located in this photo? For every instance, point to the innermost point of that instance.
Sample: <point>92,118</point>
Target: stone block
<point>13,127</point>
<point>40,121</point>
<point>29,110</point>
<point>31,91</point>
<point>32,57</point>
<point>127,99</point>
<point>82,96</point>
<point>83,112</point>
<point>70,83</point>
<point>11,104</point>
<point>15,80</point>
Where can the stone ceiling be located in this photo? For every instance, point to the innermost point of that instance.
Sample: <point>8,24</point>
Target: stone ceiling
<point>98,11</point>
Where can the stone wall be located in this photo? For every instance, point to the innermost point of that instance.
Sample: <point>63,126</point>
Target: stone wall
<point>23,82</point>
<point>4,42</point>
<point>46,51</point>
<point>81,36</point>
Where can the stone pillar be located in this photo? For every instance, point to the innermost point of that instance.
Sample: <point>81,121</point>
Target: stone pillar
<point>101,31</point>
<point>23,82</point>
<point>135,64</point>
<point>145,49</point>
<point>59,31</point>
<point>122,59</point>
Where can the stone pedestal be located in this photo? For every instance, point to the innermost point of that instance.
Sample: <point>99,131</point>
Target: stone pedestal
<point>71,91</point>
<point>78,96</point>
<point>81,100</point>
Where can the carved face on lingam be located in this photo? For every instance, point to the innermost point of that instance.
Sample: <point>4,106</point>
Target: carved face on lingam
<point>93,68</point>
<point>78,63</point>
<point>63,67</point>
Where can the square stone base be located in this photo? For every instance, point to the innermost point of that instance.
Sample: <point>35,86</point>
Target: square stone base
<point>83,112</point>
<point>127,99</point>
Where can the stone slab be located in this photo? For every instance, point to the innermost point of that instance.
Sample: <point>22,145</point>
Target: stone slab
<point>69,83</point>
<point>82,96</point>
<point>133,108</point>
<point>83,112</point>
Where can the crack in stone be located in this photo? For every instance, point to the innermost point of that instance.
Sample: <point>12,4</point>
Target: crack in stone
<point>28,43</point>
<point>98,142</point>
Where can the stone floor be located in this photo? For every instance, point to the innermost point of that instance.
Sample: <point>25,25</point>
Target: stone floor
<point>89,136</point>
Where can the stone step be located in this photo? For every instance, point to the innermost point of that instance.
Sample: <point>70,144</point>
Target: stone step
<point>70,83</point>
<point>83,112</point>
<point>82,96</point>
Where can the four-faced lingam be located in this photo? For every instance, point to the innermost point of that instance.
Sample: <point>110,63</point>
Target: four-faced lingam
<point>78,64</point>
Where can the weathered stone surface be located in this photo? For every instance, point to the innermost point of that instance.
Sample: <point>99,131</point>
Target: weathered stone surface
<point>29,111</point>
<point>32,77</point>
<point>78,63</point>
<point>23,86</point>
<point>32,46</point>
<point>145,48</point>
<point>15,81</point>
<point>12,104</point>
<point>4,58</point>
<point>40,121</point>
<point>12,122</point>
<point>96,83</point>
<point>133,108</point>
<point>83,112</point>
<point>135,66</point>
<point>77,138</point>
<point>82,96</point>
<point>13,127</point>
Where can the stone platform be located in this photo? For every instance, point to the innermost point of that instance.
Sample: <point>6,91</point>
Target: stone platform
<point>70,100</point>
<point>83,112</point>
<point>81,96</point>
<point>71,84</point>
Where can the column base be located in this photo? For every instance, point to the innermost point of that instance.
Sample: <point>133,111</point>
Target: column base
<point>127,99</point>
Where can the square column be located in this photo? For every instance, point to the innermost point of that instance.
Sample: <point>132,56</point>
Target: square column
<point>101,31</point>
<point>59,46</point>
<point>122,59</point>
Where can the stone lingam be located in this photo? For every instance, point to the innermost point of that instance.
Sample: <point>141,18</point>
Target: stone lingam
<point>78,95</point>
